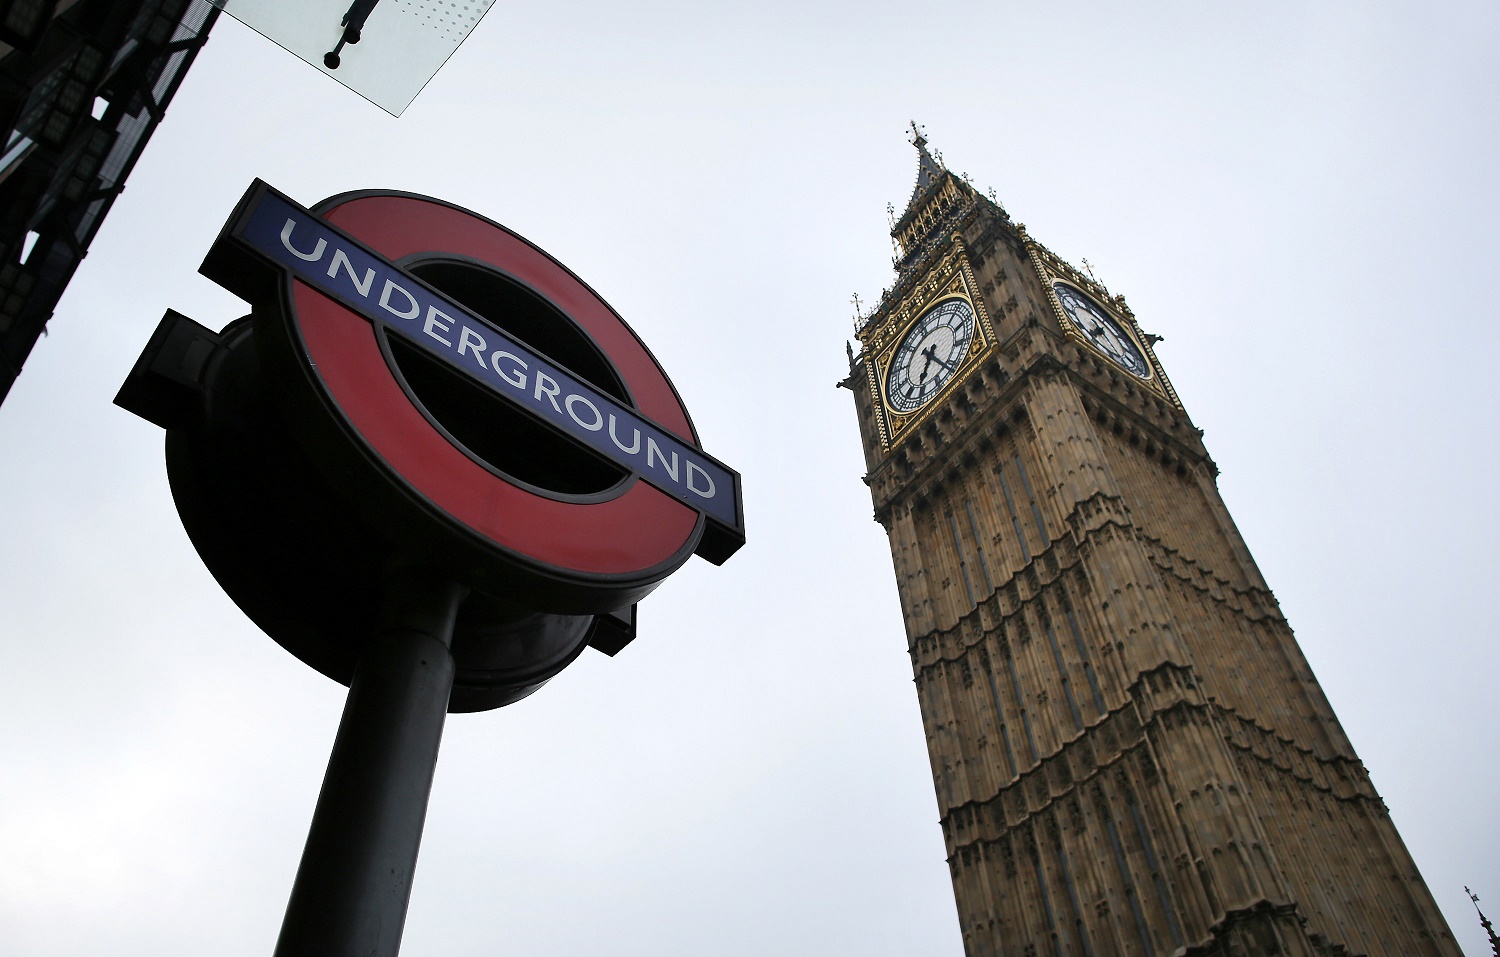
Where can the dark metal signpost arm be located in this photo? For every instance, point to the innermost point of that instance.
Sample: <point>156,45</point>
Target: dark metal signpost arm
<point>354,882</point>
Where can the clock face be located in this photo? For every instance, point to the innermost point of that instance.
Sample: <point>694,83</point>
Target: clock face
<point>1102,331</point>
<point>930,354</point>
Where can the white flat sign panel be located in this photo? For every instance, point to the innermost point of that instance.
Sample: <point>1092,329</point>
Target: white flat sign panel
<point>402,43</point>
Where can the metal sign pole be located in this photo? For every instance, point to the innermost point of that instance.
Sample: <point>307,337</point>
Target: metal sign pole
<point>352,887</point>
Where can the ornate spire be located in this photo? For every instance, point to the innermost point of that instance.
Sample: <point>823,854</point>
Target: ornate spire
<point>929,170</point>
<point>1485,923</point>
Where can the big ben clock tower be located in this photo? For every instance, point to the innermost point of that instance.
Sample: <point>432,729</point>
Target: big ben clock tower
<point>1130,753</point>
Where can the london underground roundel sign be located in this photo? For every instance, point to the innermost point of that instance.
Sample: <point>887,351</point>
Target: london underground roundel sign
<point>475,398</point>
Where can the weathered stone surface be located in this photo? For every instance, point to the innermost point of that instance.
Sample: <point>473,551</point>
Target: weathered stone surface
<point>1131,754</point>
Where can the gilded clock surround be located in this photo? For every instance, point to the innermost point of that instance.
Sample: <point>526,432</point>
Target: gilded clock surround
<point>1122,325</point>
<point>952,280</point>
<point>1053,269</point>
<point>1129,752</point>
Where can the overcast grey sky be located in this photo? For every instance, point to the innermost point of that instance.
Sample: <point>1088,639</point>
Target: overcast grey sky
<point>1300,197</point>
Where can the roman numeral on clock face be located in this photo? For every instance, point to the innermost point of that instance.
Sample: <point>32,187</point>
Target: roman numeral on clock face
<point>930,354</point>
<point>1102,331</point>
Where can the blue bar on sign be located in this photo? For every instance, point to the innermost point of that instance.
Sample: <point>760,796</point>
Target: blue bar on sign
<point>338,266</point>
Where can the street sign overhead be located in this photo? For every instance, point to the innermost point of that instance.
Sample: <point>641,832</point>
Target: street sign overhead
<point>384,50</point>
<point>418,384</point>
<point>433,464</point>
<point>397,301</point>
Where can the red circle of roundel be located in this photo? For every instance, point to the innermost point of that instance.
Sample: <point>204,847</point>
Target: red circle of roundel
<point>635,531</point>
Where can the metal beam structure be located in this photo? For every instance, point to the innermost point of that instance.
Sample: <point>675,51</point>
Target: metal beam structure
<point>83,85</point>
